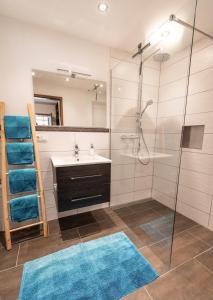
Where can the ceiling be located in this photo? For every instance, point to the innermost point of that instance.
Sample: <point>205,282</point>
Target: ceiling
<point>125,24</point>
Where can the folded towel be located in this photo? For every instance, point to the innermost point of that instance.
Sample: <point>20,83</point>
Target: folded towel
<point>17,127</point>
<point>20,153</point>
<point>22,180</point>
<point>24,208</point>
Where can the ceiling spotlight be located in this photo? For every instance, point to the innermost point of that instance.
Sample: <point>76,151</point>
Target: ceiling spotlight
<point>103,6</point>
<point>33,73</point>
<point>101,85</point>
<point>165,34</point>
<point>67,79</point>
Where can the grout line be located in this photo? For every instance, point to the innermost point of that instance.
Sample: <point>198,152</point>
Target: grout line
<point>18,254</point>
<point>198,239</point>
<point>148,293</point>
<point>8,269</point>
<point>204,266</point>
<point>203,252</point>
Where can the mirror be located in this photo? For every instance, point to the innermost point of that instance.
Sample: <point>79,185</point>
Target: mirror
<point>68,100</point>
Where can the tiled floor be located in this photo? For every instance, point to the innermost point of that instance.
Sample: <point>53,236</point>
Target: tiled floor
<point>148,225</point>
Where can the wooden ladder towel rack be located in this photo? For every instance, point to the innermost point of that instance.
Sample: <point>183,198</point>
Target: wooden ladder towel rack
<point>5,196</point>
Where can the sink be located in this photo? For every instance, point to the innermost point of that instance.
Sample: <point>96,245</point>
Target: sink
<point>63,161</point>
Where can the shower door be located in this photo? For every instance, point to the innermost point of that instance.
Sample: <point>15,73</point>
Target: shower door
<point>147,117</point>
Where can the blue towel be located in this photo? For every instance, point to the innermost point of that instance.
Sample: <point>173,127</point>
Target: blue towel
<point>22,180</point>
<point>24,208</point>
<point>20,153</point>
<point>17,127</point>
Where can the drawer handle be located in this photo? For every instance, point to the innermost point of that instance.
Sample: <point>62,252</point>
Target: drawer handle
<point>84,198</point>
<point>85,177</point>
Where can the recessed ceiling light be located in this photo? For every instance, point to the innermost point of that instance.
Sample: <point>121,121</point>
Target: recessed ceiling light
<point>165,33</point>
<point>33,73</point>
<point>67,79</point>
<point>101,85</point>
<point>103,6</point>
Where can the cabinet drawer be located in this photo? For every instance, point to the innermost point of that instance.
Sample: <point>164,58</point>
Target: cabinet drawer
<point>67,201</point>
<point>83,172</point>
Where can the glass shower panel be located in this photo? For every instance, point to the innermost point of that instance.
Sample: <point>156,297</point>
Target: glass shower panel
<point>147,116</point>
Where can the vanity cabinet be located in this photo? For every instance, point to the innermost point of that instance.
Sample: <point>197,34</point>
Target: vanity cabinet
<point>81,185</point>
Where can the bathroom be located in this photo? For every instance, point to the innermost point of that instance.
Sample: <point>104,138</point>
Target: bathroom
<point>120,98</point>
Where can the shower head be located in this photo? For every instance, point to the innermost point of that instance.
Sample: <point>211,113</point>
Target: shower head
<point>161,57</point>
<point>149,102</point>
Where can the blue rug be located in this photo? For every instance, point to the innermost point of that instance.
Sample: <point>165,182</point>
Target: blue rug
<point>104,269</point>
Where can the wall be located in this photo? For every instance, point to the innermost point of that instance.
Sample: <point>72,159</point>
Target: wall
<point>24,47</point>
<point>131,181</point>
<point>196,176</point>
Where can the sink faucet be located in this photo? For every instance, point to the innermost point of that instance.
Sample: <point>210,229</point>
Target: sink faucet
<point>76,151</point>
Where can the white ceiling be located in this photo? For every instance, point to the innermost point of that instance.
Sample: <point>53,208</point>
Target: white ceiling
<point>125,24</point>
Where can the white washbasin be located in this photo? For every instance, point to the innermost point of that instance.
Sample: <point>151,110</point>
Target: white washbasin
<point>63,161</point>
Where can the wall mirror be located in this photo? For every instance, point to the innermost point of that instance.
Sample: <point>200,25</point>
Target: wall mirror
<point>68,100</point>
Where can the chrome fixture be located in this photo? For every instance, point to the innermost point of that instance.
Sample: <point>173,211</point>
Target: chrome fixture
<point>173,18</point>
<point>76,152</point>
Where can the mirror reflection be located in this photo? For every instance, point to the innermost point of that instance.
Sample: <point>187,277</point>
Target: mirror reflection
<point>61,100</point>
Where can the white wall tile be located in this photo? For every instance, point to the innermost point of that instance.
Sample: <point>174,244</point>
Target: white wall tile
<point>201,81</point>
<point>201,119</point>
<point>200,103</point>
<point>122,186</point>
<point>198,162</point>
<point>141,195</point>
<point>151,76</point>
<point>175,71</point>
<point>167,172</point>
<point>143,170</point>
<point>124,107</point>
<point>170,108</point>
<point>194,198</point>
<point>99,140</point>
<point>170,124</point>
<point>122,171</point>
<point>176,89</point>
<point>124,89</point>
<point>143,183</point>
<point>122,199</point>
<point>168,141</point>
<point>164,186</point>
<point>197,181</point>
<point>127,71</point>
<point>123,124</point>
<point>202,59</point>
<point>192,213</point>
<point>164,199</point>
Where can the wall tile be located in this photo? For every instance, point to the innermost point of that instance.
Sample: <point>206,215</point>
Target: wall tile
<point>194,198</point>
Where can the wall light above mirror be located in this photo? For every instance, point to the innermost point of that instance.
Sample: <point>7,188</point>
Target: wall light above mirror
<point>67,100</point>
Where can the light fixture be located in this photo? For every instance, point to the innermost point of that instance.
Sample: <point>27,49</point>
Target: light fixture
<point>165,33</point>
<point>103,6</point>
<point>67,79</point>
<point>101,85</point>
<point>33,73</point>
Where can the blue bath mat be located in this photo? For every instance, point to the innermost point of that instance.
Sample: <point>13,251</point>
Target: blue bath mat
<point>104,269</point>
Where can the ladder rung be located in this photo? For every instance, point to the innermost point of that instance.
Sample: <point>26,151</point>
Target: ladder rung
<point>26,226</point>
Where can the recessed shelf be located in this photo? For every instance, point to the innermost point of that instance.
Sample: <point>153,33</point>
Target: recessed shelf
<point>193,136</point>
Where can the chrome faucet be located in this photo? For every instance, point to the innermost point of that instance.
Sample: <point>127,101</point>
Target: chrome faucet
<point>76,151</point>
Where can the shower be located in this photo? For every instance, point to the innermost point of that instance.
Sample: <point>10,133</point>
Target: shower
<point>144,158</point>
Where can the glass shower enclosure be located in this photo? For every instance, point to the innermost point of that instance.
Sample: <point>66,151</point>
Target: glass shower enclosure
<point>149,90</point>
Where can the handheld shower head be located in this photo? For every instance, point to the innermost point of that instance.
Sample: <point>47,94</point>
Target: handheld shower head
<point>149,102</point>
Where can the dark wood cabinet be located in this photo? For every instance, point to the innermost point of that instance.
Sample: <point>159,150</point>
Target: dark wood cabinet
<point>80,186</point>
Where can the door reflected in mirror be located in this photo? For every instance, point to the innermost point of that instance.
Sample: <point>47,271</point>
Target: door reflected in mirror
<point>74,101</point>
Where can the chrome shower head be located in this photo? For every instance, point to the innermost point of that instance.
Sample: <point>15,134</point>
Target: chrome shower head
<point>149,102</point>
